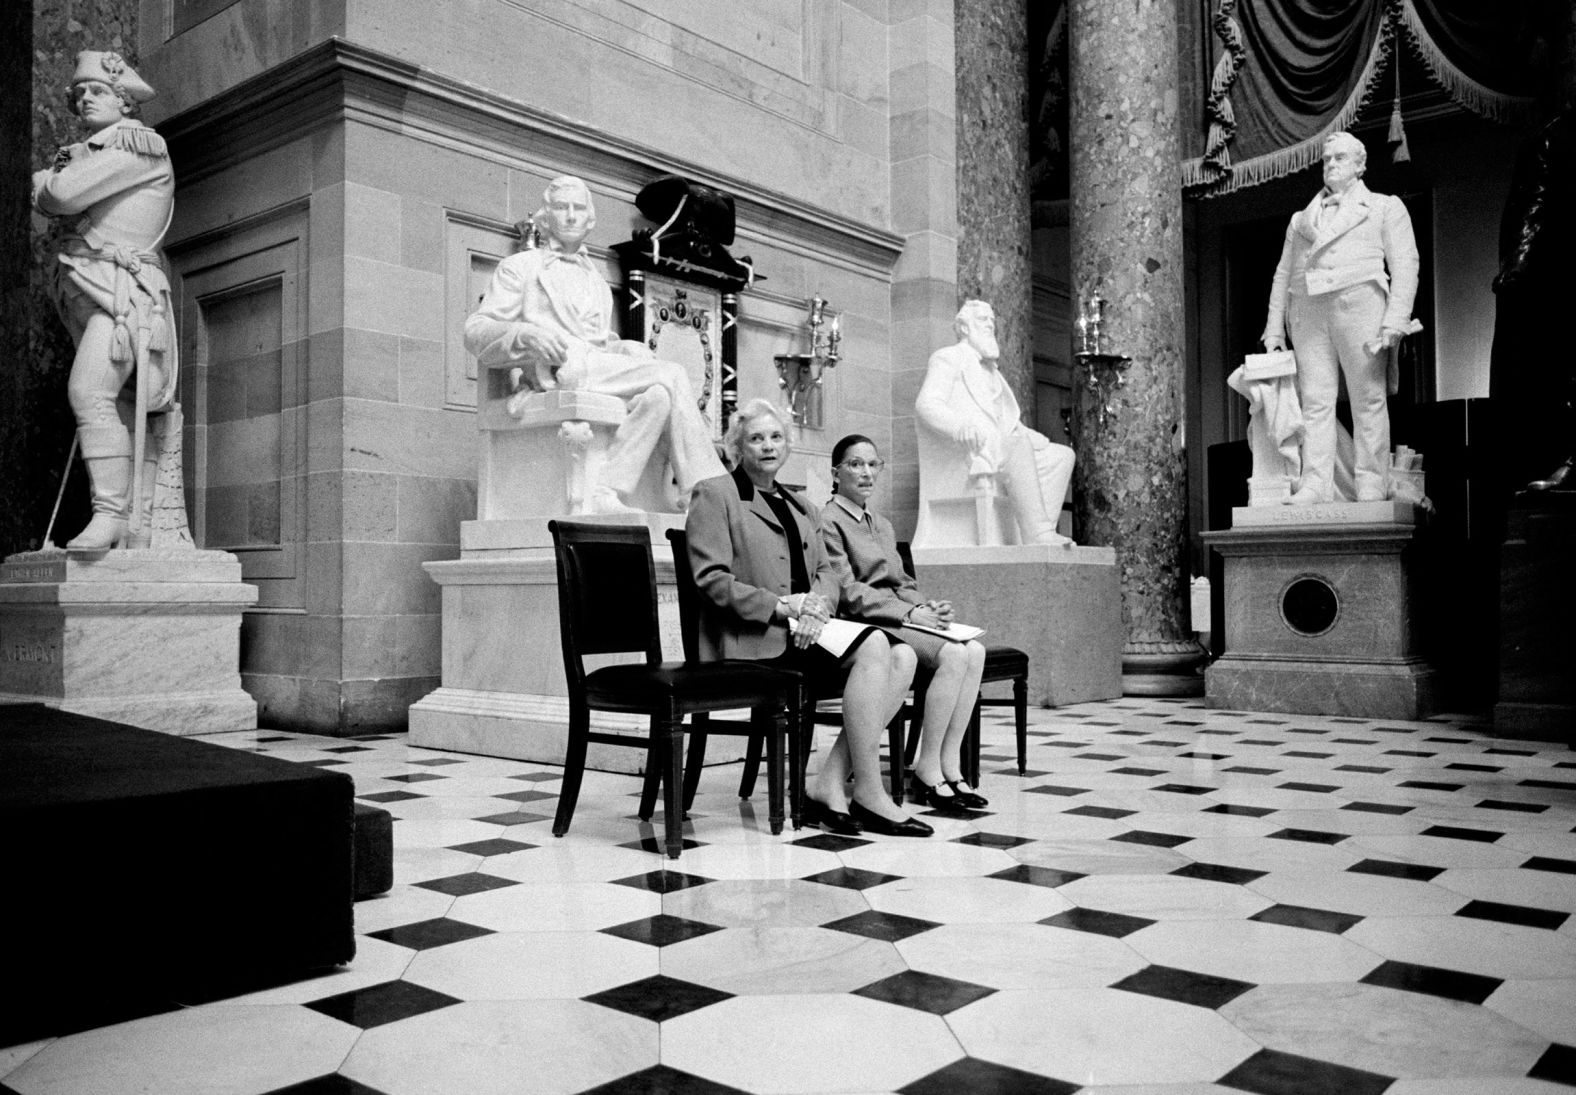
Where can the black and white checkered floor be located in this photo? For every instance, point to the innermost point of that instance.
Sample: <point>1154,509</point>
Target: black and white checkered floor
<point>1173,901</point>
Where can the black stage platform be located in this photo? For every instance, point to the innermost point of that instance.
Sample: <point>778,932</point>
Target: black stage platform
<point>143,869</point>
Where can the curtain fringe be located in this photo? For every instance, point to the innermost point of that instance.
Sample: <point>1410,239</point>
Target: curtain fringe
<point>1289,160</point>
<point>1480,100</point>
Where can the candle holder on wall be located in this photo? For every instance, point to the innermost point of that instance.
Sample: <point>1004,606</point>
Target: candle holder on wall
<point>1104,376</point>
<point>800,375</point>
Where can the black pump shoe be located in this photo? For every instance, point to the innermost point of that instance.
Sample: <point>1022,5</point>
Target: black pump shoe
<point>938,796</point>
<point>967,799</point>
<point>816,812</point>
<point>875,823</point>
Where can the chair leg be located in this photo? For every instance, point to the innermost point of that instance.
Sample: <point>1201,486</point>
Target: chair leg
<point>1020,704</point>
<point>805,726</point>
<point>656,764</point>
<point>574,767</point>
<point>672,732</point>
<point>971,748</point>
<point>796,760</point>
<point>752,768</point>
<point>917,717</point>
<point>695,759</point>
<point>895,756</point>
<point>775,726</point>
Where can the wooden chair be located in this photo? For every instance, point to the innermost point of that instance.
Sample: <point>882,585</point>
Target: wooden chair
<point>1002,663</point>
<point>802,731</point>
<point>607,604</point>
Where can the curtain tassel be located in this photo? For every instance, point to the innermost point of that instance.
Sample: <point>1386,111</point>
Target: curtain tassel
<point>1397,136</point>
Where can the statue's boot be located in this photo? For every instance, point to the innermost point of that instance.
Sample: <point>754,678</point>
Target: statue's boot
<point>106,450</point>
<point>1562,478</point>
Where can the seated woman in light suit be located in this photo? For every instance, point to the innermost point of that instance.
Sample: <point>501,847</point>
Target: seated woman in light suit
<point>878,590</point>
<point>755,548</point>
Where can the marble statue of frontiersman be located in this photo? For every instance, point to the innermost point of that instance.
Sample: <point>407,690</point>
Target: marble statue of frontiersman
<point>549,311</point>
<point>1344,286</point>
<point>970,424</point>
<point>109,283</point>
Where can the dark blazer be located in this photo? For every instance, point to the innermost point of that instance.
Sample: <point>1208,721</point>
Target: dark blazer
<point>739,554</point>
<point>875,585</point>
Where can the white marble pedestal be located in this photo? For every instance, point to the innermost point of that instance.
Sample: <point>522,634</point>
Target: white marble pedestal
<point>503,692</point>
<point>1062,606</point>
<point>1319,614</point>
<point>147,637</point>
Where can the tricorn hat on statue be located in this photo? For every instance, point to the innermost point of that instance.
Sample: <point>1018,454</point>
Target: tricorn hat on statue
<point>110,68</point>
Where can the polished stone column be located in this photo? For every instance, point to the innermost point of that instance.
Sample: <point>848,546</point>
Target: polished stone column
<point>995,262</point>
<point>1130,485</point>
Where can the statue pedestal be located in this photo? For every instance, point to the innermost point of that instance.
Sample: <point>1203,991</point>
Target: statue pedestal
<point>1320,615</point>
<point>1062,606</point>
<point>503,692</point>
<point>148,637</point>
<point>1537,622</point>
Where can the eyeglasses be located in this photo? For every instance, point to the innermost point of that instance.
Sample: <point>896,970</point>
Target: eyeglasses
<point>874,466</point>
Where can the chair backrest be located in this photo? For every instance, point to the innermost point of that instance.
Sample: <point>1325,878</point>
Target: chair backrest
<point>607,593</point>
<point>689,594</point>
<point>906,553</point>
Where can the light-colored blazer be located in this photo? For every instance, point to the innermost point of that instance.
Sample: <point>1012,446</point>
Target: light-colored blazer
<point>1369,238</point>
<point>876,588</point>
<point>739,554</point>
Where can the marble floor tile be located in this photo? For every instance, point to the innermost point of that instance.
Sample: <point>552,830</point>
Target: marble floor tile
<point>786,903</point>
<point>1475,946</point>
<point>772,961</point>
<point>1547,1007</point>
<point>1360,894</point>
<point>556,906</point>
<point>216,1050</point>
<point>1098,1036</point>
<point>403,904</point>
<point>1251,951</point>
<point>809,1043</point>
<point>530,966</point>
<point>1021,956</point>
<point>1382,1030</point>
<point>1164,897</point>
<point>967,900</point>
<point>493,1047</point>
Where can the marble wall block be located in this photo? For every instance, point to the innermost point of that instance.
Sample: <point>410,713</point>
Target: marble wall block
<point>1321,620</point>
<point>147,637</point>
<point>1062,606</point>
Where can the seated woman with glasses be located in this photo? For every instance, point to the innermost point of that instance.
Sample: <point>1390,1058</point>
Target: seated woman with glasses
<point>877,589</point>
<point>756,551</point>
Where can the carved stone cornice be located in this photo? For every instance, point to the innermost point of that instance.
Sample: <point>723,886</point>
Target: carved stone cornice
<point>340,81</point>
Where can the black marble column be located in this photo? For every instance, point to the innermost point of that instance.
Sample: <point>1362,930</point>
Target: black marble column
<point>1127,248</point>
<point>995,263</point>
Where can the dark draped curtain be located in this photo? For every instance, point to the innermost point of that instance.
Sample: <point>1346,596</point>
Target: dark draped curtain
<point>1281,75</point>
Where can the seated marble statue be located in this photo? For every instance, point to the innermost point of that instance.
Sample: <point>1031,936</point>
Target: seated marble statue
<point>972,442</point>
<point>549,313</point>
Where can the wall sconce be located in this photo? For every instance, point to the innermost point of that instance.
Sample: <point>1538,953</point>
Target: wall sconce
<point>1105,368</point>
<point>799,375</point>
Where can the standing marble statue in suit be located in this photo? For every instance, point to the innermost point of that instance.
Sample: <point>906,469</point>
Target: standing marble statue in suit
<point>969,423</point>
<point>114,193</point>
<point>549,312</point>
<point>1344,288</point>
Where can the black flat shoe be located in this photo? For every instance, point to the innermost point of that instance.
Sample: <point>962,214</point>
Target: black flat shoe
<point>816,812</point>
<point>939,796</point>
<point>967,799</point>
<point>875,823</point>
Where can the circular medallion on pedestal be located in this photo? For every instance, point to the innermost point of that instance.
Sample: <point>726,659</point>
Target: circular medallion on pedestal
<point>1309,605</point>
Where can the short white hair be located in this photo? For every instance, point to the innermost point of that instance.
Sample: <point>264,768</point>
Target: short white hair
<point>733,439</point>
<point>967,313</point>
<point>1358,150</point>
